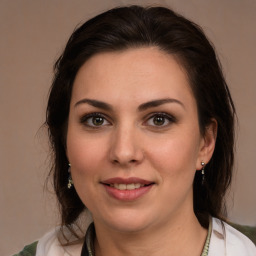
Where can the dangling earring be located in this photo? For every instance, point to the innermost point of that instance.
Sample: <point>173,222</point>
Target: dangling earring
<point>202,171</point>
<point>70,181</point>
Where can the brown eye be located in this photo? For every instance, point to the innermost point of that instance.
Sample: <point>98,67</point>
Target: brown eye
<point>159,120</point>
<point>97,120</point>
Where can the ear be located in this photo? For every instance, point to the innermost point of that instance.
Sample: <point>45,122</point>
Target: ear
<point>207,144</point>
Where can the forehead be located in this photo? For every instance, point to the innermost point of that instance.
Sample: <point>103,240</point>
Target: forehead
<point>140,74</point>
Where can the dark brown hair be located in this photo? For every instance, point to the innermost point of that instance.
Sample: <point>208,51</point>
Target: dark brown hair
<point>133,27</point>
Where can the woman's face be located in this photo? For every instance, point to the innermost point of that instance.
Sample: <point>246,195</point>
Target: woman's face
<point>133,139</point>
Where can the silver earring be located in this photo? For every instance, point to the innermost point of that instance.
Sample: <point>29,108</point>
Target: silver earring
<point>202,171</point>
<point>70,181</point>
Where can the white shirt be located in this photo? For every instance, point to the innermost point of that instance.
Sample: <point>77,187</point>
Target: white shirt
<point>225,241</point>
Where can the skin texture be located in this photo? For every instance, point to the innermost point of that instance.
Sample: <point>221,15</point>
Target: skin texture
<point>128,141</point>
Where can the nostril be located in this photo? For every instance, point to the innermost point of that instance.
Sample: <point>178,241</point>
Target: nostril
<point>115,161</point>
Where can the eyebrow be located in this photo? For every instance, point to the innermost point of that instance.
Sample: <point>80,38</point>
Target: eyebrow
<point>142,107</point>
<point>95,103</point>
<point>159,102</point>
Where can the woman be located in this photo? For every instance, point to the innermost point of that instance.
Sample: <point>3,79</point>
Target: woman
<point>141,124</point>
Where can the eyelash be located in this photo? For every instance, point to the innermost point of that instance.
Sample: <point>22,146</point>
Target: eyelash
<point>166,117</point>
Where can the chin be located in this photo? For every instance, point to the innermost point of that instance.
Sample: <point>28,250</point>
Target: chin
<point>129,222</point>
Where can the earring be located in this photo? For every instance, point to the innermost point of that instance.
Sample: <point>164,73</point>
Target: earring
<point>70,181</point>
<point>202,171</point>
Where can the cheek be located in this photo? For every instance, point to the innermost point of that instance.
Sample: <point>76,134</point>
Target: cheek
<point>175,157</point>
<point>84,154</point>
<point>85,157</point>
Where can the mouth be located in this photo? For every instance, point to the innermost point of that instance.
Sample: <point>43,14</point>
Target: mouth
<point>127,189</point>
<point>127,183</point>
<point>130,186</point>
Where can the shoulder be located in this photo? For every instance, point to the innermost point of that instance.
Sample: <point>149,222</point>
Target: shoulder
<point>249,231</point>
<point>236,240</point>
<point>227,239</point>
<point>50,245</point>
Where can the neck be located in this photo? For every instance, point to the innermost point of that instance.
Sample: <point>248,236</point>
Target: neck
<point>179,236</point>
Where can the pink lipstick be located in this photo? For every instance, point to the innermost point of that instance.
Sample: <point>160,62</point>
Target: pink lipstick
<point>127,189</point>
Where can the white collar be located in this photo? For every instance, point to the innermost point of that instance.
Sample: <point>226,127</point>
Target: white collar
<point>227,241</point>
<point>49,245</point>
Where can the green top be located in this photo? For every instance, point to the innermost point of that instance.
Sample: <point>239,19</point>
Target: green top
<point>29,250</point>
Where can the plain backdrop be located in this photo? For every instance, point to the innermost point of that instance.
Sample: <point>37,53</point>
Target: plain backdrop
<point>33,34</point>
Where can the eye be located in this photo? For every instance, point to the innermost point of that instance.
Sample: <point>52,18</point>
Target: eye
<point>94,120</point>
<point>160,119</point>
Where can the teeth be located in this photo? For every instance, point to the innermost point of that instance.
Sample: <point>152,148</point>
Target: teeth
<point>122,186</point>
<point>130,186</point>
<point>127,186</point>
<point>137,185</point>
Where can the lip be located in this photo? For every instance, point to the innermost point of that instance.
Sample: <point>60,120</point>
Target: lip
<point>129,180</point>
<point>127,195</point>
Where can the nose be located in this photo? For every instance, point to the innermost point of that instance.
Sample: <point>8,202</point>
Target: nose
<point>126,147</point>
